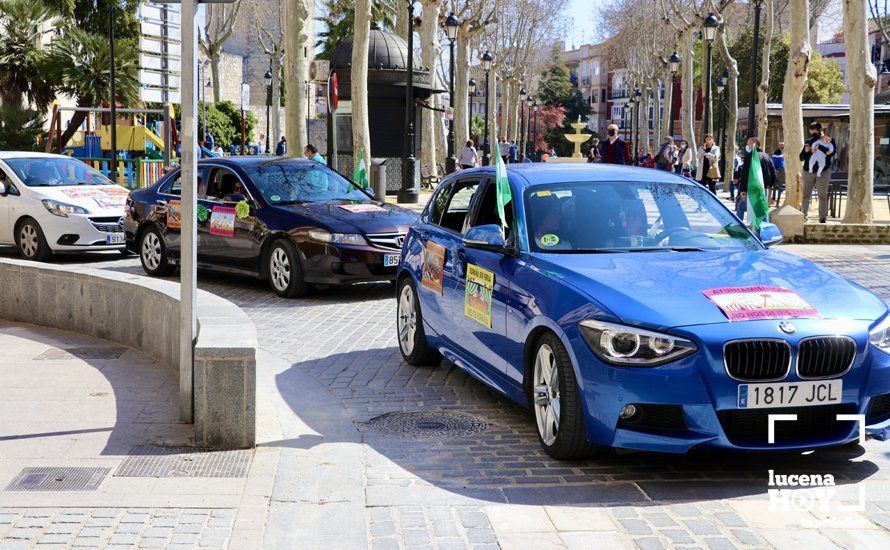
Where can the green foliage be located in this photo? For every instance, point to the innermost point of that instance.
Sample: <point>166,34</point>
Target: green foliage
<point>223,120</point>
<point>338,19</point>
<point>19,128</point>
<point>556,90</point>
<point>23,24</point>
<point>825,80</point>
<point>80,64</point>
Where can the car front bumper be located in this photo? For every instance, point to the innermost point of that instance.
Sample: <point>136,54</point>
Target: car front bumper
<point>78,233</point>
<point>342,264</point>
<point>696,401</point>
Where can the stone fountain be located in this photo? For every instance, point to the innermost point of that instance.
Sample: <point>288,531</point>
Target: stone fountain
<point>577,138</point>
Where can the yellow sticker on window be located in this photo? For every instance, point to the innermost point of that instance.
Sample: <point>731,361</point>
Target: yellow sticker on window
<point>544,193</point>
<point>549,240</point>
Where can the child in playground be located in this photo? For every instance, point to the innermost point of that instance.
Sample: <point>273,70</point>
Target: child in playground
<point>819,156</point>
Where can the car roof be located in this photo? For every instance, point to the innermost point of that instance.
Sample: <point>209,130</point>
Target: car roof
<point>254,160</point>
<point>30,154</point>
<point>542,173</point>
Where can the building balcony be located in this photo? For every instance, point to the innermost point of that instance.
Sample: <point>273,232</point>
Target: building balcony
<point>618,94</point>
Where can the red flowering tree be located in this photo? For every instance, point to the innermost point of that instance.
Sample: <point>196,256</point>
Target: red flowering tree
<point>549,118</point>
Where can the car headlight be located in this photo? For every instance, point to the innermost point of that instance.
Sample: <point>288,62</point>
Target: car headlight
<point>62,209</point>
<point>338,238</point>
<point>631,346</point>
<point>879,336</point>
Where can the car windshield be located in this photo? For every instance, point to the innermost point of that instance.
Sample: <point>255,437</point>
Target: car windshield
<point>292,182</point>
<point>55,172</point>
<point>583,217</point>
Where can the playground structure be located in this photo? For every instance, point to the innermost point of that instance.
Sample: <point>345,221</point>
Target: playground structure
<point>143,150</point>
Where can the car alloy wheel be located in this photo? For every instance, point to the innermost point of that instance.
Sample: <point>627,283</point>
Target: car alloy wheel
<point>413,344</point>
<point>279,269</point>
<point>406,319</point>
<point>546,394</point>
<point>28,240</point>
<point>151,251</point>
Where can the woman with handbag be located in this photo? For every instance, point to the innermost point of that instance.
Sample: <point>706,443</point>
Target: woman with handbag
<point>707,170</point>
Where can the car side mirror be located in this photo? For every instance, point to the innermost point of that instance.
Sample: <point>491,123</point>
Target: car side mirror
<point>485,237</point>
<point>770,234</point>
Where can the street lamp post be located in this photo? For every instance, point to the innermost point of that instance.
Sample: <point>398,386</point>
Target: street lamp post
<point>522,94</point>
<point>529,102</point>
<point>471,87</point>
<point>752,95</point>
<point>112,84</point>
<point>452,26</point>
<point>487,59</point>
<point>638,126</point>
<point>268,78</point>
<point>721,87</point>
<point>535,106</point>
<point>408,192</point>
<point>674,63</point>
<point>624,109</point>
<point>709,31</point>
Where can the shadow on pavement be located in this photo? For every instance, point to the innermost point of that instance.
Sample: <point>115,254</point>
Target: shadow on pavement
<point>505,462</point>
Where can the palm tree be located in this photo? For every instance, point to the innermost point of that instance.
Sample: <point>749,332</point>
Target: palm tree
<point>79,64</point>
<point>23,25</point>
<point>338,19</point>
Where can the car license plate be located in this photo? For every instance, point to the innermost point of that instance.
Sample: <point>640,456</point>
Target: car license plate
<point>114,238</point>
<point>391,260</point>
<point>790,394</point>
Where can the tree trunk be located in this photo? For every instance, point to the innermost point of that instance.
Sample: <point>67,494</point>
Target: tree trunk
<point>214,74</point>
<point>506,95</point>
<point>792,97</point>
<point>298,15</point>
<point>763,88</point>
<point>73,125</point>
<point>402,21</point>
<point>687,113</point>
<point>461,88</point>
<point>732,100</point>
<point>429,53</point>
<point>862,76</point>
<point>275,123</point>
<point>361,129</point>
<point>515,109</point>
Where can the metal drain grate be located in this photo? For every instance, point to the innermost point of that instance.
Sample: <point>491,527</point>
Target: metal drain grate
<point>422,424</point>
<point>85,352</point>
<point>152,461</point>
<point>41,479</point>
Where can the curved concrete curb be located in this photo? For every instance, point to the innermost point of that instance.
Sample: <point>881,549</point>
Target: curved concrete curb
<point>143,313</point>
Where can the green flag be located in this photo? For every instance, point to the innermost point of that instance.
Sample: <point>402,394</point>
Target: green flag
<point>504,195</point>
<point>758,207</point>
<point>360,174</point>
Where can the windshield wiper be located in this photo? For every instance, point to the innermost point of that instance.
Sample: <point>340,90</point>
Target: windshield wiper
<point>285,203</point>
<point>672,249</point>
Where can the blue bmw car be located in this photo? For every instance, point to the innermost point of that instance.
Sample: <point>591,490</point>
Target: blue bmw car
<point>630,308</point>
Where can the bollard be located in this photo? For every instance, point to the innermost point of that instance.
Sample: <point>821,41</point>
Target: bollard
<point>378,178</point>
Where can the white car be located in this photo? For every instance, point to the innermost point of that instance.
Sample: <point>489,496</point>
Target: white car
<point>53,203</point>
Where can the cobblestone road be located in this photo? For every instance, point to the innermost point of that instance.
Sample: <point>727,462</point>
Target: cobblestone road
<point>498,489</point>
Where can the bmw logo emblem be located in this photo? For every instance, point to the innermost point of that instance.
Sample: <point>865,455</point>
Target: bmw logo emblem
<point>787,327</point>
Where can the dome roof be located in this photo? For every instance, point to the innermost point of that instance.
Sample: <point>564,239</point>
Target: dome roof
<point>385,51</point>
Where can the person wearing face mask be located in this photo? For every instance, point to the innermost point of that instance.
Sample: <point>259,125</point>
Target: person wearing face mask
<point>752,147</point>
<point>813,178</point>
<point>614,150</point>
<point>707,171</point>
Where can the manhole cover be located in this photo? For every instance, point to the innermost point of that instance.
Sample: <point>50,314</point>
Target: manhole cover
<point>85,352</point>
<point>58,479</point>
<point>153,461</point>
<point>427,424</point>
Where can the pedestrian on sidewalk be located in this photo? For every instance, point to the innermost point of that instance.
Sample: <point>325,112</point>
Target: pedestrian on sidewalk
<point>311,152</point>
<point>593,154</point>
<point>664,160</point>
<point>736,170</point>
<point>752,147</point>
<point>614,150</point>
<point>281,148</point>
<point>468,157</point>
<point>707,171</point>
<point>813,177</point>
<point>513,154</point>
<point>779,164</point>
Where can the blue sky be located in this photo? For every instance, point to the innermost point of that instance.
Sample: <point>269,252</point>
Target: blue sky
<point>583,13</point>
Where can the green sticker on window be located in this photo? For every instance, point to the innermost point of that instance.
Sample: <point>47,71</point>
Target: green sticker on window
<point>549,240</point>
<point>275,198</point>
